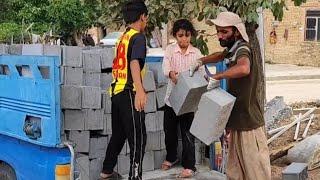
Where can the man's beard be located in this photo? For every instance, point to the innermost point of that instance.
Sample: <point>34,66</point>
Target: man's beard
<point>229,42</point>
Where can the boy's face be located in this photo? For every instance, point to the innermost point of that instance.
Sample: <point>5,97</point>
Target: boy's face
<point>183,38</point>
<point>144,20</point>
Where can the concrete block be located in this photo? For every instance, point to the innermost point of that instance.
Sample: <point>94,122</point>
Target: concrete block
<point>98,147</point>
<point>52,50</point>
<point>92,62</point>
<point>148,162</point>
<point>160,95</point>
<point>162,140</point>
<point>107,56</point>
<point>82,140</point>
<point>186,94</point>
<point>296,171</point>
<point>96,168</point>
<point>72,56</point>
<point>153,141</point>
<point>154,121</point>
<point>91,97</point>
<point>123,165</point>
<point>15,49</point>
<point>106,80</point>
<point>212,116</point>
<point>71,97</point>
<point>148,82</point>
<point>107,126</point>
<point>159,157</point>
<point>156,68</point>
<point>74,119</point>
<point>94,119</point>
<point>32,49</point>
<point>83,166</point>
<point>92,79</point>
<point>106,102</point>
<point>3,49</point>
<point>151,105</point>
<point>73,76</point>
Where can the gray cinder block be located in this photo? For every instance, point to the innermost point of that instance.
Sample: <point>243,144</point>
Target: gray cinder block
<point>82,140</point>
<point>107,126</point>
<point>95,168</point>
<point>15,49</point>
<point>74,119</point>
<point>94,119</point>
<point>72,76</point>
<point>148,161</point>
<point>153,141</point>
<point>83,166</point>
<point>106,102</point>
<point>156,68</point>
<point>151,105</point>
<point>159,157</point>
<point>148,82</point>
<point>106,80</point>
<point>107,57</point>
<point>72,56</point>
<point>71,97</point>
<point>154,121</point>
<point>32,49</point>
<point>123,165</point>
<point>92,79</point>
<point>3,49</point>
<point>161,94</point>
<point>91,97</point>
<point>186,94</point>
<point>52,50</point>
<point>212,116</point>
<point>92,62</point>
<point>296,171</point>
<point>98,147</point>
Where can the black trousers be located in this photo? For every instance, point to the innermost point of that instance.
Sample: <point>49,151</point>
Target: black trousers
<point>171,122</point>
<point>127,123</point>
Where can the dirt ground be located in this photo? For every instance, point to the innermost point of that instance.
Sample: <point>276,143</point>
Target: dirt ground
<point>280,164</point>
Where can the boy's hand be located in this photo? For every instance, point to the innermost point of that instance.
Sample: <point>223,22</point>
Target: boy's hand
<point>140,100</point>
<point>194,67</point>
<point>213,83</point>
<point>173,76</point>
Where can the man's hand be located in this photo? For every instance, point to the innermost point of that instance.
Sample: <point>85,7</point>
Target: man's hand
<point>194,67</point>
<point>140,100</point>
<point>213,83</point>
<point>173,76</point>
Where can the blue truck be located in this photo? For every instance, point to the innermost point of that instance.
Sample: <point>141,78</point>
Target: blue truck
<point>30,121</point>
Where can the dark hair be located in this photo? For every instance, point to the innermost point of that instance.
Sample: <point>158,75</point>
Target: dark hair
<point>132,10</point>
<point>185,25</point>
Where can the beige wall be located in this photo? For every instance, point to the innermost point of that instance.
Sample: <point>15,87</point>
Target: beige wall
<point>294,50</point>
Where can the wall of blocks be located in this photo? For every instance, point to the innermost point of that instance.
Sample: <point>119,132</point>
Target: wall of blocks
<point>86,107</point>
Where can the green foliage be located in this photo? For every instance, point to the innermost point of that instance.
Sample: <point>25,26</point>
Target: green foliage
<point>7,30</point>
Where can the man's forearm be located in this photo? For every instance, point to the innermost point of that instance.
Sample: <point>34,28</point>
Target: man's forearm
<point>233,72</point>
<point>136,74</point>
<point>213,58</point>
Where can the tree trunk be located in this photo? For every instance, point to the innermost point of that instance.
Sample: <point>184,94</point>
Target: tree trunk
<point>254,42</point>
<point>77,36</point>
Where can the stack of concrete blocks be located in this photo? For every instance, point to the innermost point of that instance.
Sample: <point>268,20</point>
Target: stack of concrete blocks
<point>212,116</point>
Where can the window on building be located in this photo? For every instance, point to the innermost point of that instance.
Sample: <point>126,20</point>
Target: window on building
<point>312,26</point>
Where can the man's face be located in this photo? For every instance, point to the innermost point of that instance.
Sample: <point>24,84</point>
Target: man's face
<point>227,36</point>
<point>144,20</point>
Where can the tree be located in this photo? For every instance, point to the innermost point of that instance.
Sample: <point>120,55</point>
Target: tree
<point>164,11</point>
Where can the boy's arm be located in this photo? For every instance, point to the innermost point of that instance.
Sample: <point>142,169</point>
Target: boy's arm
<point>141,97</point>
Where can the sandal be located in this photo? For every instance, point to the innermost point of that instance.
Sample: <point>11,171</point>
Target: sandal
<point>112,176</point>
<point>166,165</point>
<point>186,173</point>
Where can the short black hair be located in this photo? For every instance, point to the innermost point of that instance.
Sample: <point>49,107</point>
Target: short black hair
<point>183,24</point>
<point>132,10</point>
